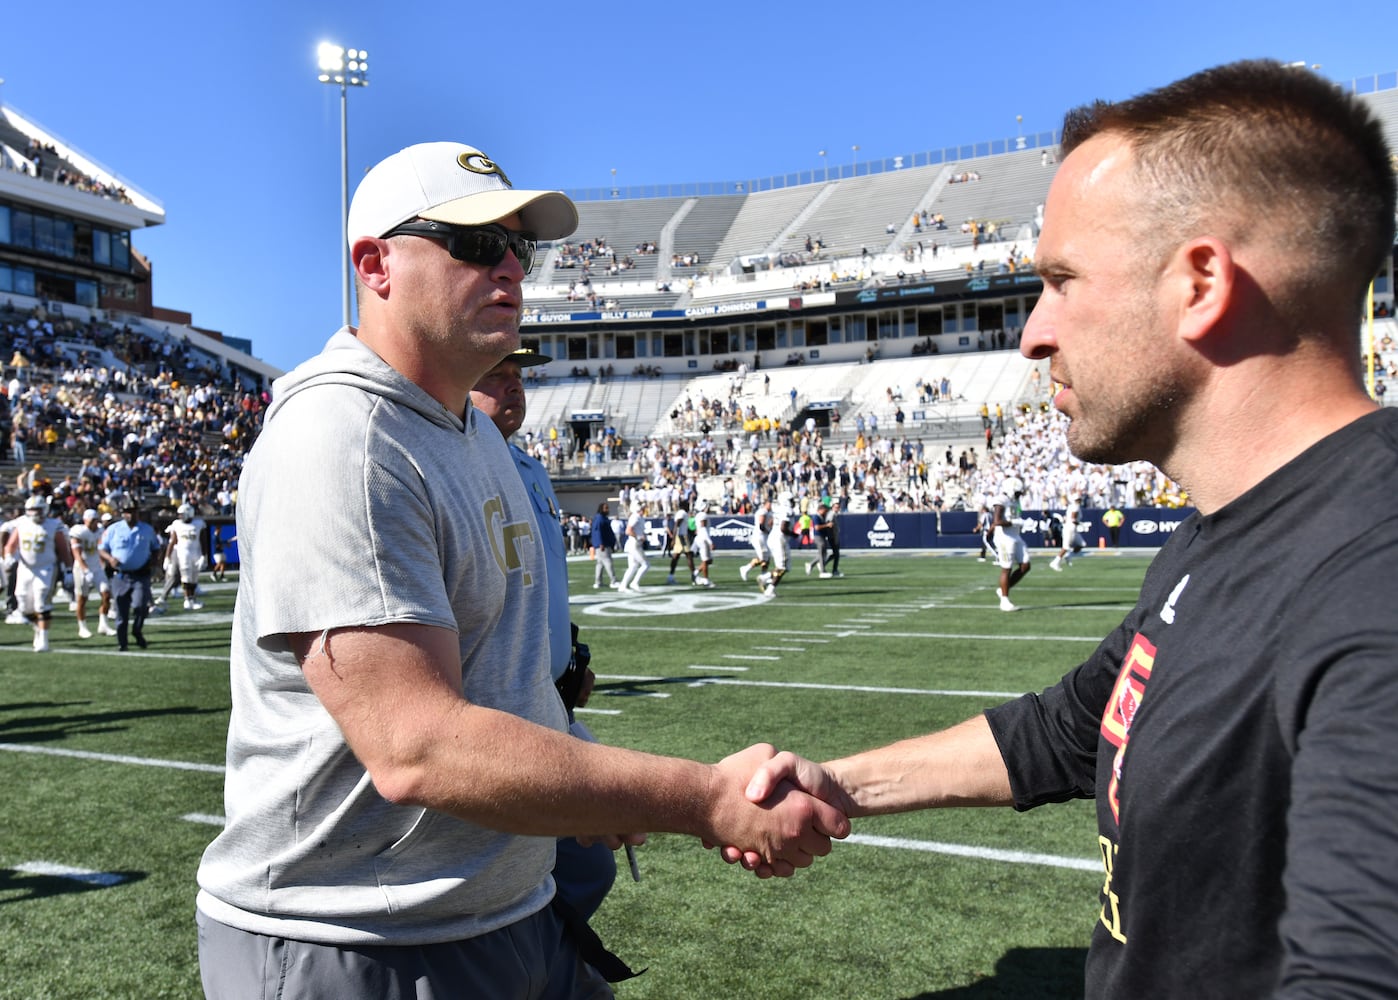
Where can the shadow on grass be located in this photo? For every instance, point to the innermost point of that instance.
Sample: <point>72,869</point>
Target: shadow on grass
<point>46,728</point>
<point>1025,974</point>
<point>638,689</point>
<point>18,887</point>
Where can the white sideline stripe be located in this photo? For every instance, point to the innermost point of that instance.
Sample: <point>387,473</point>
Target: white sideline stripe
<point>706,666</point>
<point>798,636</point>
<point>206,818</point>
<point>855,687</point>
<point>112,758</point>
<point>68,871</point>
<point>983,853</point>
<point>136,654</point>
<point>744,656</point>
<point>928,846</point>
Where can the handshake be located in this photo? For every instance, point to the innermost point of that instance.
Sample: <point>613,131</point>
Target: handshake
<point>791,809</point>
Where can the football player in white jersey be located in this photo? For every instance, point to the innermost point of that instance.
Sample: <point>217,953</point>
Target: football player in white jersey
<point>636,561</point>
<point>703,545</point>
<point>1011,554</point>
<point>761,528</point>
<point>185,554</point>
<point>779,543</point>
<point>1072,538</point>
<point>89,575</point>
<point>11,569</point>
<point>40,543</point>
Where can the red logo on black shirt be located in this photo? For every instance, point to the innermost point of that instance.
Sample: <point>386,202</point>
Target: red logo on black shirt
<point>1121,710</point>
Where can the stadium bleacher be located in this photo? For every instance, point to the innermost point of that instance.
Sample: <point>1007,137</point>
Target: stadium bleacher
<point>875,232</point>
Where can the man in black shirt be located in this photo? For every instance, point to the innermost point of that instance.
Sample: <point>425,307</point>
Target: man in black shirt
<point>1205,253</point>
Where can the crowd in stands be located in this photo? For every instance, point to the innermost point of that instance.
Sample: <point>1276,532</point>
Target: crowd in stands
<point>745,457</point>
<point>156,425</point>
<point>33,164</point>
<point>582,255</point>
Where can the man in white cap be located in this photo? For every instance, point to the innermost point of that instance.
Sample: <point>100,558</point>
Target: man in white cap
<point>399,765</point>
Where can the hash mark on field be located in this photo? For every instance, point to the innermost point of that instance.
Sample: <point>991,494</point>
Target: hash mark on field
<point>705,666</point>
<point>783,649</point>
<point>847,625</point>
<point>745,656</point>
<point>112,758</point>
<point>597,711</point>
<point>208,819</point>
<point>984,853</point>
<point>854,687</point>
<point>69,872</point>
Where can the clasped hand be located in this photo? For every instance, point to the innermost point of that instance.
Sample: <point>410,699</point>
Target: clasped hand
<point>798,809</point>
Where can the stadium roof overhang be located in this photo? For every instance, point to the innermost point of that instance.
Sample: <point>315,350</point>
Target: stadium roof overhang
<point>784,303</point>
<point>72,202</point>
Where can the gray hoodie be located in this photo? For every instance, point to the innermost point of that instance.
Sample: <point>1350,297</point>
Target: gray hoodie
<point>366,502</point>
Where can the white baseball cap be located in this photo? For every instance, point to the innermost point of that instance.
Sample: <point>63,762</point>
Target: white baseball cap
<point>453,183</point>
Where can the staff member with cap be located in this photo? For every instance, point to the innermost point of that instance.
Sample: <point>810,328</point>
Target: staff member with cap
<point>583,873</point>
<point>399,765</point>
<point>129,547</point>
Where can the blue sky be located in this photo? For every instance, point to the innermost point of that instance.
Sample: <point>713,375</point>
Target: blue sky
<point>215,111</point>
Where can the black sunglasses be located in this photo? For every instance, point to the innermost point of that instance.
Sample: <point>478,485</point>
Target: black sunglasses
<point>484,245</point>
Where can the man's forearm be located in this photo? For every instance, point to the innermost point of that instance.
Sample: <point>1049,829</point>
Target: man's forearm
<point>960,766</point>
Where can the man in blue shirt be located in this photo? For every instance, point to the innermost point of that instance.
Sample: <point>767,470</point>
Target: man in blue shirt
<point>603,545</point>
<point>583,875</point>
<point>129,548</point>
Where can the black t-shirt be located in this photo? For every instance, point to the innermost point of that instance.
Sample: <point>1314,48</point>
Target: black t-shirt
<point>1245,761</point>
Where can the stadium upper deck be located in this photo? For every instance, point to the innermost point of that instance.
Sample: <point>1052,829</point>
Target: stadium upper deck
<point>928,252</point>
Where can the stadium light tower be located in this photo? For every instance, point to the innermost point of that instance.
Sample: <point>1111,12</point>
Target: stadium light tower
<point>824,168</point>
<point>343,68</point>
<point>854,160</point>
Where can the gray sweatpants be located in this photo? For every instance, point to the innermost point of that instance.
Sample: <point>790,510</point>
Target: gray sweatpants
<point>533,959</point>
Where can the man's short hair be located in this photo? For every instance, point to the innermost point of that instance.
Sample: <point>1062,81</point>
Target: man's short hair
<point>1256,143</point>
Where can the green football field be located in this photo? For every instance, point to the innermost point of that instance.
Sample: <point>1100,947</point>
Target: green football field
<point>111,766</point>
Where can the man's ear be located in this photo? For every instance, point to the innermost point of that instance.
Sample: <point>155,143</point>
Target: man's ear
<point>370,259</point>
<point>1205,275</point>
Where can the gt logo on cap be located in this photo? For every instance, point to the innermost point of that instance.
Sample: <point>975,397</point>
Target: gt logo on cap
<point>479,163</point>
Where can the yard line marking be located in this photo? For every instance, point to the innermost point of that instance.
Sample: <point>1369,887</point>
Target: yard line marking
<point>206,818</point>
<point>705,666</point>
<point>68,871</point>
<point>112,758</point>
<point>983,853</point>
<point>801,637</point>
<point>137,654</point>
<point>854,687</point>
<point>745,656</point>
